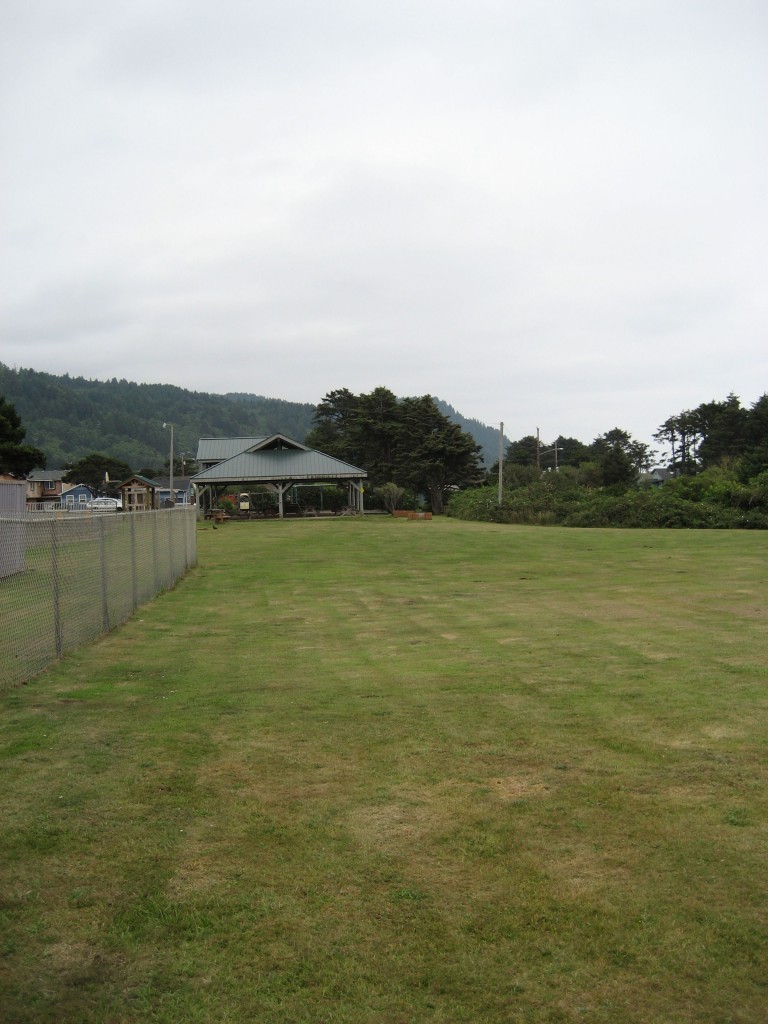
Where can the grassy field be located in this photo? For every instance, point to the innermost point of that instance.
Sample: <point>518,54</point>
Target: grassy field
<point>388,771</point>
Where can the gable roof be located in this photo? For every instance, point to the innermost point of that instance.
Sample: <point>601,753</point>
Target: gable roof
<point>76,487</point>
<point>212,450</point>
<point>276,457</point>
<point>137,478</point>
<point>268,464</point>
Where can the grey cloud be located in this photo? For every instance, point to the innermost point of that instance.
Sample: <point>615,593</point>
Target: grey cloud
<point>532,210</point>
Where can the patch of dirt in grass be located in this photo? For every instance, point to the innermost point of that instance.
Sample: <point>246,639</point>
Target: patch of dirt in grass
<point>721,732</point>
<point>518,787</point>
<point>703,741</point>
<point>239,780</point>
<point>197,874</point>
<point>687,794</point>
<point>582,869</point>
<point>77,963</point>
<point>392,825</point>
<point>655,655</point>
<point>384,825</point>
<point>66,955</point>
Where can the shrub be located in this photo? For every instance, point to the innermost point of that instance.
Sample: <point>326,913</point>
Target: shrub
<point>719,503</point>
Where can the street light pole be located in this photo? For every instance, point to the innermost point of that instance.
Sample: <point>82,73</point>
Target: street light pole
<point>170,468</point>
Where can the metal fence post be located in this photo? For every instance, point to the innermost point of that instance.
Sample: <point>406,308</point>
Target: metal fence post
<point>156,577</point>
<point>169,520</point>
<point>134,579</point>
<point>57,633</point>
<point>103,568</point>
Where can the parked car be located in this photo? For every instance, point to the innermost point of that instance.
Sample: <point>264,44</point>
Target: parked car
<point>105,505</point>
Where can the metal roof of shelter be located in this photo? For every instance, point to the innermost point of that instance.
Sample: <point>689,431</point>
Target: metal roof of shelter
<point>217,449</point>
<point>265,467</point>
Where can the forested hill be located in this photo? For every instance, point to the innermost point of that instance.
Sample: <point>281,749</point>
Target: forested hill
<point>487,437</point>
<point>71,417</point>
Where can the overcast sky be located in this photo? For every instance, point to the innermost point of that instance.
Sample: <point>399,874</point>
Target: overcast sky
<point>548,212</point>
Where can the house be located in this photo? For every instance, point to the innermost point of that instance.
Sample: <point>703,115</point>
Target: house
<point>44,486</point>
<point>277,463</point>
<point>656,478</point>
<point>76,497</point>
<point>183,493</point>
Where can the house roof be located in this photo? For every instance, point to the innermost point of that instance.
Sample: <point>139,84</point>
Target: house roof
<point>138,478</point>
<point>266,459</point>
<point>180,483</point>
<point>38,475</point>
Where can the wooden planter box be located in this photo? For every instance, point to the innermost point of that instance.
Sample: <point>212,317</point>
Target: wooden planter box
<point>402,514</point>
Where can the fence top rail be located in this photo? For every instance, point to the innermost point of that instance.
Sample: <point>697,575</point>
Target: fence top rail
<point>61,514</point>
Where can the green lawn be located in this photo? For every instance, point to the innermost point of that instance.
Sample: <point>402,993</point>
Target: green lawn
<point>390,771</point>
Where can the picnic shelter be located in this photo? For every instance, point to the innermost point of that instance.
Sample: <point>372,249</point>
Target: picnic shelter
<point>276,463</point>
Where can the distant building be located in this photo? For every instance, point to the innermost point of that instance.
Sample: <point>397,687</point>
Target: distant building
<point>77,496</point>
<point>138,493</point>
<point>656,478</point>
<point>276,463</point>
<point>182,490</point>
<point>45,486</point>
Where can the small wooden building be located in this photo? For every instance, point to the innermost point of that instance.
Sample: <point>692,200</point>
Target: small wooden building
<point>138,493</point>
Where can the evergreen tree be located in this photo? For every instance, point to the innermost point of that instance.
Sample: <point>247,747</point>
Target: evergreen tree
<point>99,472</point>
<point>406,441</point>
<point>619,457</point>
<point>16,458</point>
<point>722,429</point>
<point>523,452</point>
<point>335,419</point>
<point>435,453</point>
<point>754,460</point>
<point>571,451</point>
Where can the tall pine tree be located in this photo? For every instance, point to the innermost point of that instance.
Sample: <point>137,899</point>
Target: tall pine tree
<point>16,458</point>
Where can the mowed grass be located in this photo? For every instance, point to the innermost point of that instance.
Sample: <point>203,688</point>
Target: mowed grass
<point>390,771</point>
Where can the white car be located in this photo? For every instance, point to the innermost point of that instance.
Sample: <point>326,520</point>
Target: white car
<point>105,505</point>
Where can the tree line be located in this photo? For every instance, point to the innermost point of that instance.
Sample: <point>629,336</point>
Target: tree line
<point>715,458</point>
<point>714,473</point>
<point>715,433</point>
<point>718,433</point>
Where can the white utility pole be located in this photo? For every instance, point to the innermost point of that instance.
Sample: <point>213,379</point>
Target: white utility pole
<point>501,461</point>
<point>170,467</point>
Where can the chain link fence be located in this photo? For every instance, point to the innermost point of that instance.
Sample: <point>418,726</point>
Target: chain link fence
<point>67,578</point>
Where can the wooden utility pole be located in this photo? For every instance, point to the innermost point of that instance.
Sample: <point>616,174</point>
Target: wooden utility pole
<point>501,461</point>
<point>538,452</point>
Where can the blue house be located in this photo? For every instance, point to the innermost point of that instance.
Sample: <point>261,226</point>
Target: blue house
<point>76,497</point>
<point>182,491</point>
